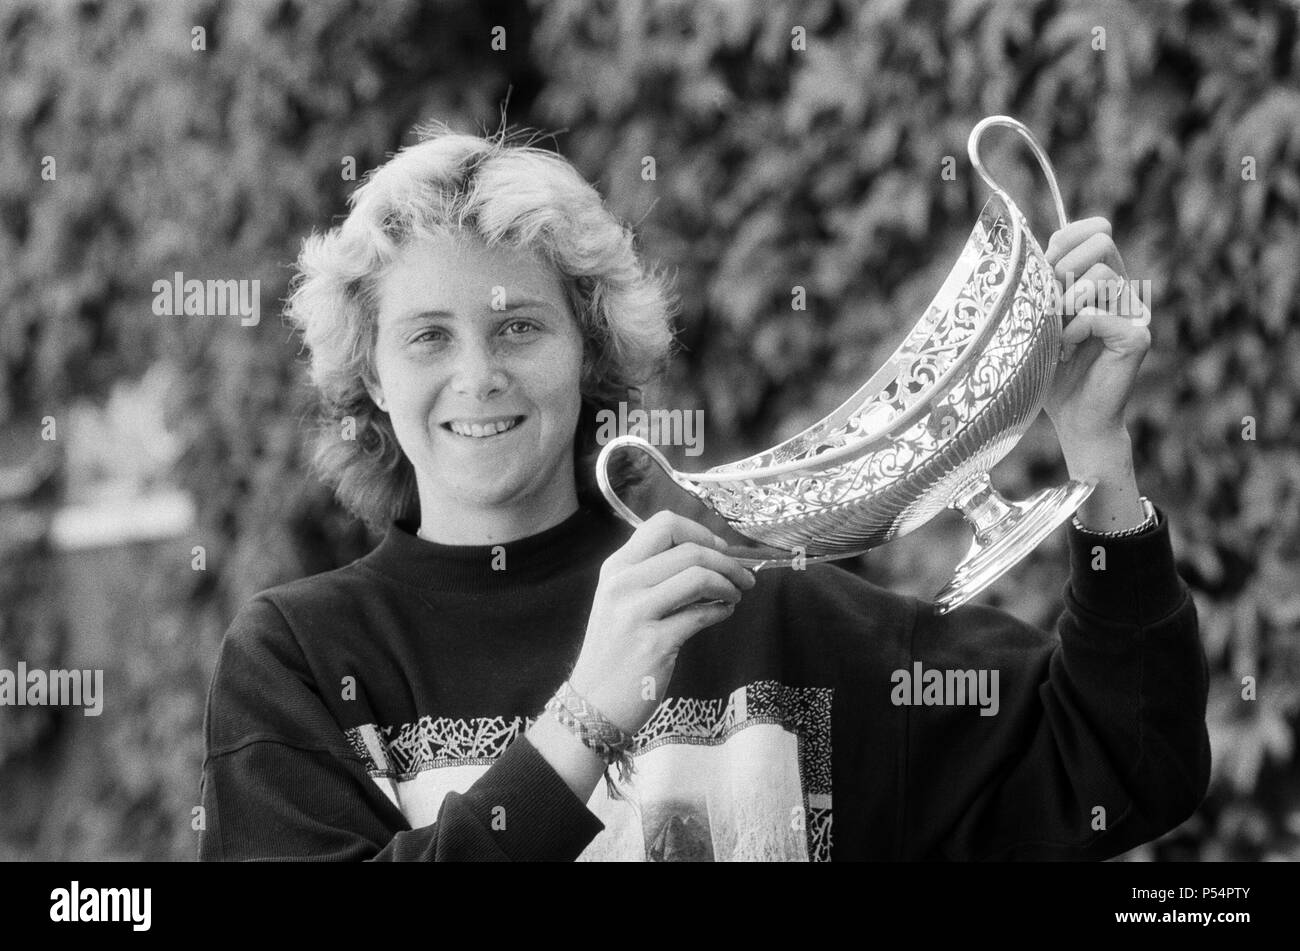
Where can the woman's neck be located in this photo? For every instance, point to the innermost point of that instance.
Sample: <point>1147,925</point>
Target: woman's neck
<point>466,525</point>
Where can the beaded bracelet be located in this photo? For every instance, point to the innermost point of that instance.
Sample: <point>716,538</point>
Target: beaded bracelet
<point>595,731</point>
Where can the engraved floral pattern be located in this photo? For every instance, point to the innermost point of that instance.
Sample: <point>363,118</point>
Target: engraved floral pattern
<point>932,346</point>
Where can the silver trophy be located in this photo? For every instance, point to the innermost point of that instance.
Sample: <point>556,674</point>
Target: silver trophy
<point>924,431</point>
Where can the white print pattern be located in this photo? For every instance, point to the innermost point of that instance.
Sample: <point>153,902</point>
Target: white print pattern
<point>431,742</point>
<point>805,711</point>
<point>709,806</point>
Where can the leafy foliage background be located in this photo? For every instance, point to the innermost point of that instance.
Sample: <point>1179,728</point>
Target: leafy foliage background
<point>775,168</point>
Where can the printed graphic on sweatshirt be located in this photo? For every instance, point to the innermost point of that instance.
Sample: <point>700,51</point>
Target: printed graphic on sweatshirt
<point>745,777</point>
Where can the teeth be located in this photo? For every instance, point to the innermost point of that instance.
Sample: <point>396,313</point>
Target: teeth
<point>478,431</point>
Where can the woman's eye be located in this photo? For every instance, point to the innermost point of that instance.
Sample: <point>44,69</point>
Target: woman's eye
<point>517,327</point>
<point>429,336</point>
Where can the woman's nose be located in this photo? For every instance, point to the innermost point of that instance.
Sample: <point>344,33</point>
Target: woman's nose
<point>478,373</point>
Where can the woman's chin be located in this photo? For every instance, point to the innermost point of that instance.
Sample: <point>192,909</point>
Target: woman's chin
<point>490,492</point>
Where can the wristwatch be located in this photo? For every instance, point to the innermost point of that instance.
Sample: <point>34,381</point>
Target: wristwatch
<point>1150,522</point>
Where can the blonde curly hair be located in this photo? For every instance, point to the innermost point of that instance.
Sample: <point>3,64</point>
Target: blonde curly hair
<point>503,192</point>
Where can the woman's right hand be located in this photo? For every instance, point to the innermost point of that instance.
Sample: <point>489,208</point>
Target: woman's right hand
<point>654,594</point>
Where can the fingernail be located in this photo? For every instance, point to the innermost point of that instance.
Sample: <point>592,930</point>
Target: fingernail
<point>719,541</point>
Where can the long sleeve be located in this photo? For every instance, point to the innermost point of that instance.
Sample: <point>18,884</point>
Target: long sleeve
<point>281,782</point>
<point>1099,742</point>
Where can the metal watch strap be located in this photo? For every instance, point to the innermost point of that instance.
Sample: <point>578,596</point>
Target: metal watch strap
<point>1152,519</point>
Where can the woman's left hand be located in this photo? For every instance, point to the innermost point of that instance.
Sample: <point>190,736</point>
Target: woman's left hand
<point>1105,339</point>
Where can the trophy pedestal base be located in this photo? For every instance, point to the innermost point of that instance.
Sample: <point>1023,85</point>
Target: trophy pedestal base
<point>1015,535</point>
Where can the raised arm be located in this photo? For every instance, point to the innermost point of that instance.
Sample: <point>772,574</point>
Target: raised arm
<point>1099,741</point>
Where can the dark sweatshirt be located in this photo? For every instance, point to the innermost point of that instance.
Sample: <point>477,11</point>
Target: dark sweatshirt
<point>378,712</point>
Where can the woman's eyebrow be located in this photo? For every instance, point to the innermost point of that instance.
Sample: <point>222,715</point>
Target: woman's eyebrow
<point>515,304</point>
<point>522,302</point>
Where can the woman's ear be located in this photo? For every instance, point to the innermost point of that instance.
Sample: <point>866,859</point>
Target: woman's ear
<point>376,394</point>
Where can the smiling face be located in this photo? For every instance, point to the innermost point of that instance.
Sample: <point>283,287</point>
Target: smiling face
<point>478,359</point>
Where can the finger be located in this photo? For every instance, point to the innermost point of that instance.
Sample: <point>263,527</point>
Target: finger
<point>1097,288</point>
<point>661,532</point>
<point>680,627</point>
<point>687,587</point>
<point>663,566</point>
<point>1097,249</point>
<point>1122,335</point>
<point>1072,235</point>
<point>1132,302</point>
<point>1109,328</point>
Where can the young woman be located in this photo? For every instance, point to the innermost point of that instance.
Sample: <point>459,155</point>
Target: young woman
<point>459,692</point>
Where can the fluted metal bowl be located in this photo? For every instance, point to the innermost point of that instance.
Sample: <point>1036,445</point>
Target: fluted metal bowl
<point>924,431</point>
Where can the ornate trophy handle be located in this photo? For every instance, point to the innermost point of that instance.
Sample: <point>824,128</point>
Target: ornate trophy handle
<point>755,557</point>
<point>972,149</point>
<point>602,473</point>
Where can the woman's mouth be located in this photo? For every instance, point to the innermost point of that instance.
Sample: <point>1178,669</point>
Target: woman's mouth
<point>482,429</point>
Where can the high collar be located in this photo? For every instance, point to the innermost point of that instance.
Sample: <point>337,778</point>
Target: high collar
<point>586,536</point>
